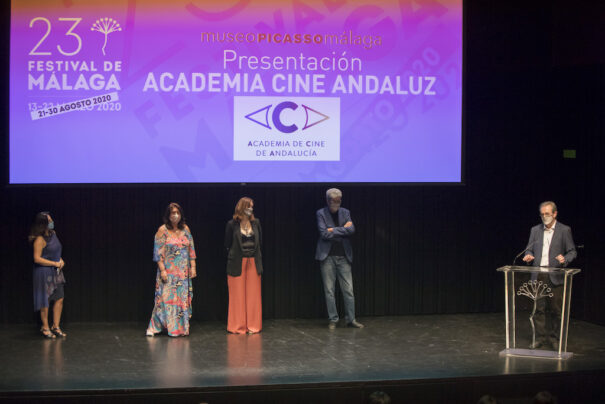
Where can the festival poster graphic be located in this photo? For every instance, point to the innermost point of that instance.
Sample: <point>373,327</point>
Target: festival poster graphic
<point>127,91</point>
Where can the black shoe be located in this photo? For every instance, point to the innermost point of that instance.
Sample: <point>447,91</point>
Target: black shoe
<point>332,325</point>
<point>554,343</point>
<point>46,333</point>
<point>355,324</point>
<point>537,345</point>
<point>58,332</point>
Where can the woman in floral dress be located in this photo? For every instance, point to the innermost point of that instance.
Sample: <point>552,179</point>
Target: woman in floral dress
<point>174,253</point>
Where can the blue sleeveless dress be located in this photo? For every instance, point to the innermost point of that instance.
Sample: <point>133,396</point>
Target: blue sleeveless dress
<point>46,279</point>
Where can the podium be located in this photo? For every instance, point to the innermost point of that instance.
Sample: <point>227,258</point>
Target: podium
<point>537,311</point>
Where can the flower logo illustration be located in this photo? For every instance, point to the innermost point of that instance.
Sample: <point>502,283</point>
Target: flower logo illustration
<point>106,26</point>
<point>535,290</point>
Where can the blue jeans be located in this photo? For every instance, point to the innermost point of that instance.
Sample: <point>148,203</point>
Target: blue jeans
<point>332,267</point>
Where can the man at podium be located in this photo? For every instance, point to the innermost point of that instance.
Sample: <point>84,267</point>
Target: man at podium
<point>550,245</point>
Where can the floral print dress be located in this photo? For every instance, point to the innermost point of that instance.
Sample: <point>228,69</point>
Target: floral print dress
<point>172,309</point>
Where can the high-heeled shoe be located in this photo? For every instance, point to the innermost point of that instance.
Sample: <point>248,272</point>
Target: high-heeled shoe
<point>46,333</point>
<point>57,331</point>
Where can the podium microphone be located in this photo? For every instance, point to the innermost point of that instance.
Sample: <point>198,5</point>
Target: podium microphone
<point>518,255</point>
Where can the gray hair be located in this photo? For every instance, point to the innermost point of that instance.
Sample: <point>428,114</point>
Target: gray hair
<point>546,203</point>
<point>333,193</point>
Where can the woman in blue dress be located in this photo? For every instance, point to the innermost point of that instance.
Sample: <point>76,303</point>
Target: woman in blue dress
<point>48,273</point>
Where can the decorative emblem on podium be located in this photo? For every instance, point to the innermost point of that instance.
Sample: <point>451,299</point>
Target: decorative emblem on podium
<point>535,290</point>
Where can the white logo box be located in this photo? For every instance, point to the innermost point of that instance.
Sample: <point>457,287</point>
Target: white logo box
<point>313,126</point>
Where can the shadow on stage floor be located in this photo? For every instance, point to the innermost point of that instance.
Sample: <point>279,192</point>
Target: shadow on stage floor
<point>437,358</point>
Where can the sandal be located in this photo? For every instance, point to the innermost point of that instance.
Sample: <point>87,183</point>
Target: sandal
<point>57,331</point>
<point>46,333</point>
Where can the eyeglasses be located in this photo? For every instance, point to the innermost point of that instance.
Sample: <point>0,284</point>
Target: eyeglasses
<point>545,214</point>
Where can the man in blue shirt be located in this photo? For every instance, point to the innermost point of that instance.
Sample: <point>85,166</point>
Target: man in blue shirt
<point>335,254</point>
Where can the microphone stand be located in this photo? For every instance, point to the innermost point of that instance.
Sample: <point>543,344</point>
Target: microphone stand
<point>517,256</point>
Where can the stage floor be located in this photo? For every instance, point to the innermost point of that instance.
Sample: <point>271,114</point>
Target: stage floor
<point>118,356</point>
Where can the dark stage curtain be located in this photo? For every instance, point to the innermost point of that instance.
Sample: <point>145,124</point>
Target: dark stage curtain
<point>418,249</point>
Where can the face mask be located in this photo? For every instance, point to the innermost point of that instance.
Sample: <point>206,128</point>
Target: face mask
<point>248,211</point>
<point>51,226</point>
<point>547,220</point>
<point>175,218</point>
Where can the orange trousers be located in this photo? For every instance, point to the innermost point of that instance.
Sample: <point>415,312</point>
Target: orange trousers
<point>245,304</point>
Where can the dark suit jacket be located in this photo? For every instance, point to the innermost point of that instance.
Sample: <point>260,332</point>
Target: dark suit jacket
<point>233,244</point>
<point>324,221</point>
<point>561,243</point>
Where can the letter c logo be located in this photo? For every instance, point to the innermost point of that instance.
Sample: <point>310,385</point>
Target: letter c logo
<point>277,120</point>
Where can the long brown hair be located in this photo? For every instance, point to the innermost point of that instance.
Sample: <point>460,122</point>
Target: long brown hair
<point>167,222</point>
<point>242,204</point>
<point>40,227</point>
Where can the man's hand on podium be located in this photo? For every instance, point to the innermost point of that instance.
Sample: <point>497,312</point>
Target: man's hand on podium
<point>528,258</point>
<point>560,258</point>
